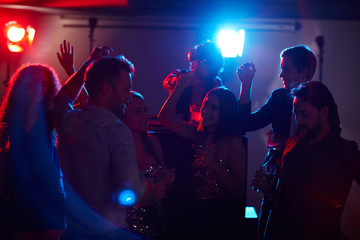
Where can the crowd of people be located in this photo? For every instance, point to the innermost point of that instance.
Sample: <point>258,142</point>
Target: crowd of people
<point>81,164</point>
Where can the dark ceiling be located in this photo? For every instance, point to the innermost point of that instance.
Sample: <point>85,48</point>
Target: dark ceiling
<point>298,9</point>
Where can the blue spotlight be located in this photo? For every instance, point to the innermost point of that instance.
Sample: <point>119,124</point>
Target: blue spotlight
<point>231,42</point>
<point>127,197</point>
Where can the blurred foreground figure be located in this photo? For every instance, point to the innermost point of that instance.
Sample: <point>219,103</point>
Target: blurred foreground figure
<point>35,206</point>
<point>318,168</point>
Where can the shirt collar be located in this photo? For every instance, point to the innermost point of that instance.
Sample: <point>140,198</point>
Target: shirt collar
<point>97,109</point>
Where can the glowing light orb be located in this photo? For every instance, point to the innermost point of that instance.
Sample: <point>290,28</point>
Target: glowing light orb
<point>127,197</point>
<point>15,34</point>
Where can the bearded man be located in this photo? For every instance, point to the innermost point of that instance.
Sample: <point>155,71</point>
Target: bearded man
<point>317,170</point>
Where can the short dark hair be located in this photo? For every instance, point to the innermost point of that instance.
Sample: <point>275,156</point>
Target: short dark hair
<point>105,69</point>
<point>319,96</point>
<point>210,52</point>
<point>302,58</point>
<point>228,119</point>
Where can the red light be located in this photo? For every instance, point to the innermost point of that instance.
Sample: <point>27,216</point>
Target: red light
<point>18,37</point>
<point>15,34</point>
<point>31,34</point>
<point>15,48</point>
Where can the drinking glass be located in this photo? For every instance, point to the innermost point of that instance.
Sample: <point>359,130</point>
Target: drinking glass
<point>267,175</point>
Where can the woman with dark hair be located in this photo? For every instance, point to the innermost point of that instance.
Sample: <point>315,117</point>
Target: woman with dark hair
<point>148,221</point>
<point>219,168</point>
<point>35,206</point>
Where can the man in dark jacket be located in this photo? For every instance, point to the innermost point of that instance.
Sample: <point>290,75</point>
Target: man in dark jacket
<point>318,168</point>
<point>298,65</point>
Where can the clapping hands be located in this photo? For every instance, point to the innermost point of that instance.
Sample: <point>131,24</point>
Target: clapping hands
<point>246,72</point>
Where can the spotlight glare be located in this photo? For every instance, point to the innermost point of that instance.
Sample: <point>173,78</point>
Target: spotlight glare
<point>18,37</point>
<point>31,32</point>
<point>15,34</point>
<point>15,48</point>
<point>231,42</point>
<point>241,41</point>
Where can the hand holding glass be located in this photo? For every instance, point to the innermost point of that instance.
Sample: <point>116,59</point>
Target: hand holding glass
<point>264,179</point>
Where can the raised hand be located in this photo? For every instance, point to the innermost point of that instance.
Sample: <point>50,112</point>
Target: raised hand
<point>246,72</point>
<point>66,57</point>
<point>185,80</point>
<point>99,52</point>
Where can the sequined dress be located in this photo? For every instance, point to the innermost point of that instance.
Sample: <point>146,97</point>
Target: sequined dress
<point>149,221</point>
<point>215,212</point>
<point>207,184</point>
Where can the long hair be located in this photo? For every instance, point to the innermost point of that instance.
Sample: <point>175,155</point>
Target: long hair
<point>148,145</point>
<point>21,90</point>
<point>228,118</point>
<point>319,96</point>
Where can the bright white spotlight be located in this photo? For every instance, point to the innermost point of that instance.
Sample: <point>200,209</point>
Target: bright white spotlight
<point>231,42</point>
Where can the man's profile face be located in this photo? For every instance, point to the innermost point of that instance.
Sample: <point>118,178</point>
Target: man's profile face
<point>289,74</point>
<point>309,124</point>
<point>120,94</point>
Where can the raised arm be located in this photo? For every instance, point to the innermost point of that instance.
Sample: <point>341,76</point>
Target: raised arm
<point>246,73</point>
<point>75,83</point>
<point>170,80</point>
<point>166,115</point>
<point>66,57</point>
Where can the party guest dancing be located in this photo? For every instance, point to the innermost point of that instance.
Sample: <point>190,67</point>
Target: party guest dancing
<point>147,220</point>
<point>219,168</point>
<point>298,64</point>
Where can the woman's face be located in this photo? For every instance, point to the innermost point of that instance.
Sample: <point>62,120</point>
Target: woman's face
<point>210,111</point>
<point>136,116</point>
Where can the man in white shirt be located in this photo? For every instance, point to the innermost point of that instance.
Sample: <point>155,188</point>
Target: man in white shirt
<point>97,150</point>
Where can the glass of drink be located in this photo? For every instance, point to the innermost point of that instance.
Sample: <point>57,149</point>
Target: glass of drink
<point>267,174</point>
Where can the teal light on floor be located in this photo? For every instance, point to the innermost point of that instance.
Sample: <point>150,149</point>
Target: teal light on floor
<point>250,212</point>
